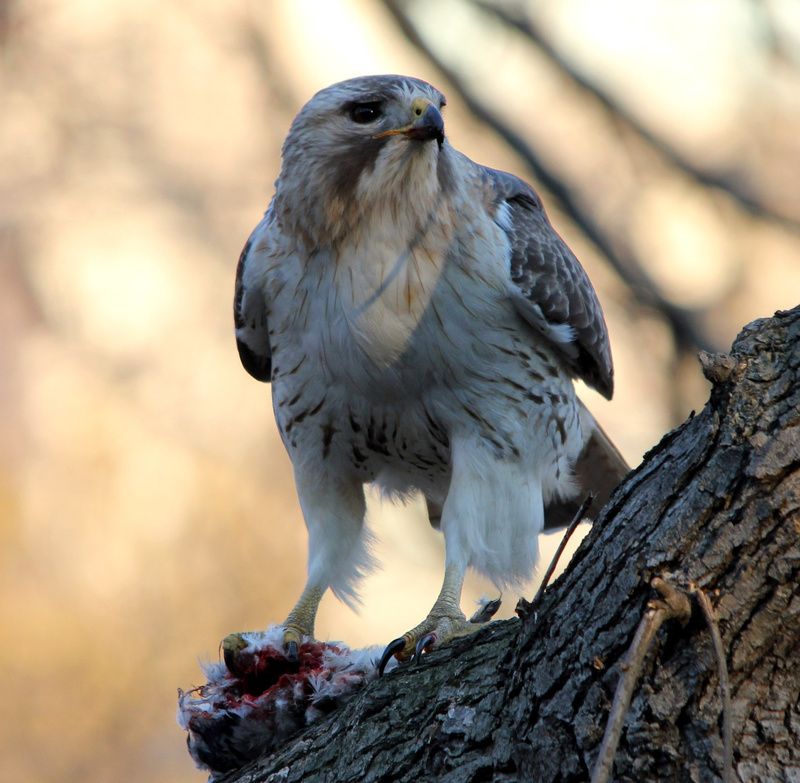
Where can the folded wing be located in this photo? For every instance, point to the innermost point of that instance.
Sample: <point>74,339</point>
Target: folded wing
<point>549,287</point>
<point>250,309</point>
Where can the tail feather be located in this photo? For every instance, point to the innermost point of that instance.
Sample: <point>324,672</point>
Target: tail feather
<point>599,469</point>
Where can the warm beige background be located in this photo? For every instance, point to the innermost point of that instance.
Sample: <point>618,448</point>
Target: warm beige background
<point>146,504</point>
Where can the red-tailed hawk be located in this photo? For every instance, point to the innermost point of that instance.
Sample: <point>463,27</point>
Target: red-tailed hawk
<point>421,324</point>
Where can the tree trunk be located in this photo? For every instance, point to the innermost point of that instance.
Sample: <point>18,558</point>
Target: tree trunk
<point>715,505</point>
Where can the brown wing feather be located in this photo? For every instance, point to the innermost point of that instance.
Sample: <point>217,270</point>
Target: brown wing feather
<point>599,469</point>
<point>554,292</point>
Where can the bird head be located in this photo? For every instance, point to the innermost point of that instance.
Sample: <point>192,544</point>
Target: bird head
<point>364,144</point>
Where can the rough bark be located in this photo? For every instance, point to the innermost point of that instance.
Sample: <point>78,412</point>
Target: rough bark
<point>716,505</point>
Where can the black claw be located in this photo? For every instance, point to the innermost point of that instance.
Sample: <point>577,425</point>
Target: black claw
<point>422,645</point>
<point>485,612</point>
<point>391,649</point>
<point>292,654</point>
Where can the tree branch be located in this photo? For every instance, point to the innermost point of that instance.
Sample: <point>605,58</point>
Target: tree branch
<point>716,504</point>
<point>724,685</point>
<point>525,607</point>
<point>709,179</point>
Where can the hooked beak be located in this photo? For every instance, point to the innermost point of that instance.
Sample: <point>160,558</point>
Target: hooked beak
<point>428,125</point>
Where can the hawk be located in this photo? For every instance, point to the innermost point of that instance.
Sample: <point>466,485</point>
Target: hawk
<point>421,324</point>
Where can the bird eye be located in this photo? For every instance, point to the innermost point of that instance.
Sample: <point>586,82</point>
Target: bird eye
<point>364,113</point>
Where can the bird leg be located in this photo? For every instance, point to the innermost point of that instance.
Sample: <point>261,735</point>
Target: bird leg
<point>298,624</point>
<point>444,622</point>
<point>300,621</point>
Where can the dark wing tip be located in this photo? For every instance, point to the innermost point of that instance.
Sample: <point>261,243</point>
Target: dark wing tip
<point>257,364</point>
<point>606,387</point>
<point>596,374</point>
<point>250,320</point>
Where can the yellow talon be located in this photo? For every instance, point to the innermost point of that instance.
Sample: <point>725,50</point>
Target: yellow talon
<point>231,645</point>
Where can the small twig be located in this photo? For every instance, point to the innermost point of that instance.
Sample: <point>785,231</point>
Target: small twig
<point>524,607</point>
<point>672,605</point>
<point>631,667</point>
<point>724,685</point>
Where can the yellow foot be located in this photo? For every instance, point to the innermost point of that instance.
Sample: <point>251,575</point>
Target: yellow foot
<point>438,628</point>
<point>293,638</point>
<point>299,624</point>
<point>233,644</point>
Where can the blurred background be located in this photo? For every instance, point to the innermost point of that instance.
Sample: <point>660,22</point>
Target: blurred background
<point>146,503</point>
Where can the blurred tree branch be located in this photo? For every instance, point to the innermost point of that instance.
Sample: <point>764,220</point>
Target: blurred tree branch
<point>768,30</point>
<point>275,90</point>
<point>686,332</point>
<point>518,21</point>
